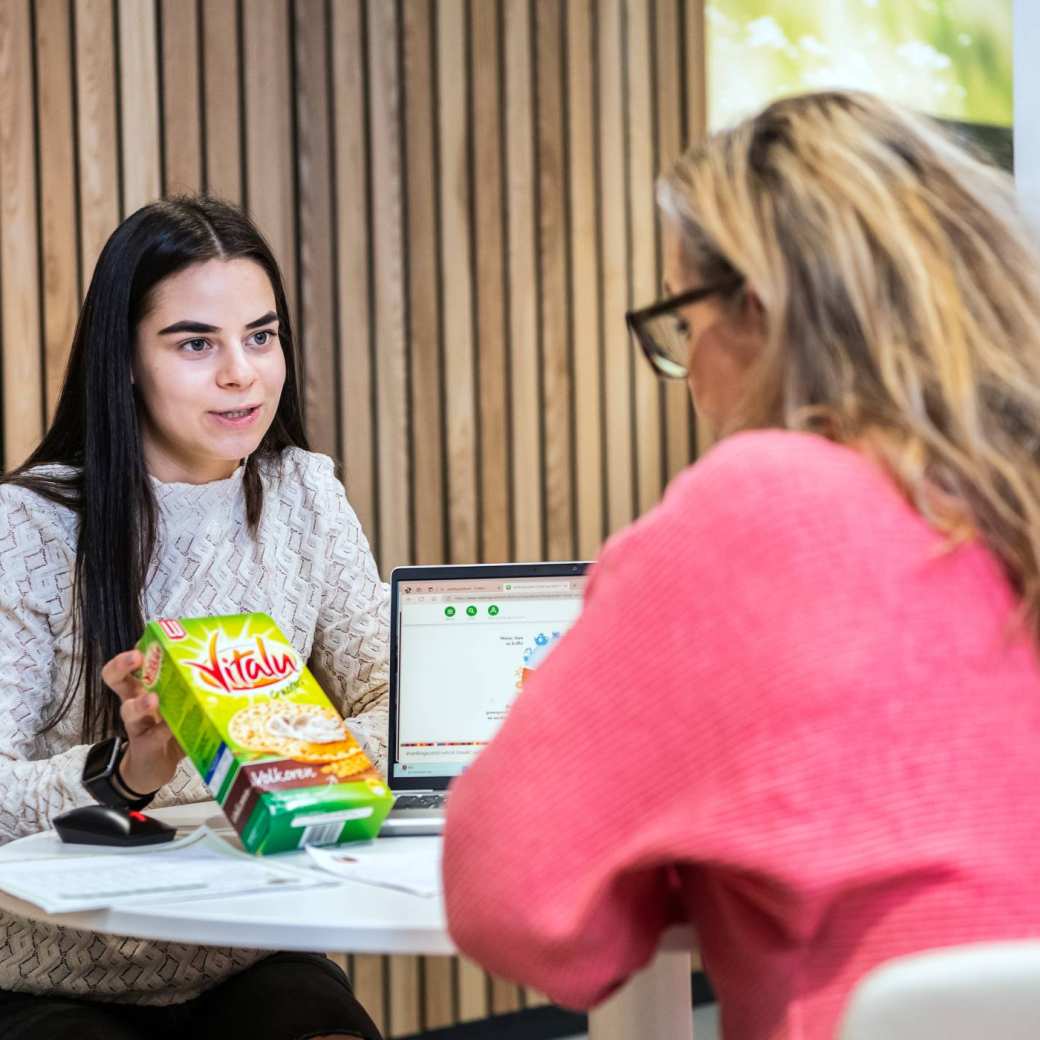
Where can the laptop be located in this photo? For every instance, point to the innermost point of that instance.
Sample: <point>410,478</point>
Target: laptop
<point>463,640</point>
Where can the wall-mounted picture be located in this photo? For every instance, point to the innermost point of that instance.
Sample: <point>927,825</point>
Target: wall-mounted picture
<point>949,58</point>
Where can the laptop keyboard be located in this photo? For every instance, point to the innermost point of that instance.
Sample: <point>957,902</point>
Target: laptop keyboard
<point>420,801</point>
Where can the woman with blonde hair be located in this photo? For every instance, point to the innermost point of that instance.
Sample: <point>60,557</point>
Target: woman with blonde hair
<point>801,708</point>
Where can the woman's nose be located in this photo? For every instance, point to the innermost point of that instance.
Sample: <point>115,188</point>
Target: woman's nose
<point>235,368</point>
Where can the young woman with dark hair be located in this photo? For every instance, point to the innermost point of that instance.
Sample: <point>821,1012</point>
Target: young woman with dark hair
<point>175,480</point>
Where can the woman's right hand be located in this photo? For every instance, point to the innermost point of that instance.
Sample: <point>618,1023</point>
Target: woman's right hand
<point>152,751</point>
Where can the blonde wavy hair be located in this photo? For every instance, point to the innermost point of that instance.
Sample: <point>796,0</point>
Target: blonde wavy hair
<point>901,300</point>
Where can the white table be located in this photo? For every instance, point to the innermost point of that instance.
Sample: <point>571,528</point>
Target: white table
<point>350,917</point>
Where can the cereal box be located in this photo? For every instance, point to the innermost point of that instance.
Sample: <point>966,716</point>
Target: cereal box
<point>270,747</point>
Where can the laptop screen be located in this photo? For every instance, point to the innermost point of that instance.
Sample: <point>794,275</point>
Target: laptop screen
<point>465,647</point>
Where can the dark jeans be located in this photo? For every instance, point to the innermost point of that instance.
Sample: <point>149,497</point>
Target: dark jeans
<point>288,996</point>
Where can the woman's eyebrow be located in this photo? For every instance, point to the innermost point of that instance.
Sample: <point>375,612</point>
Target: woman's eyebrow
<point>268,317</point>
<point>198,326</point>
<point>188,326</point>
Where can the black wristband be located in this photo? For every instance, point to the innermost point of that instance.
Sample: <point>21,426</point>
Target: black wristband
<point>101,777</point>
<point>123,787</point>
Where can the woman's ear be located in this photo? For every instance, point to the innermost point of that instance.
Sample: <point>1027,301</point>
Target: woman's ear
<point>752,313</point>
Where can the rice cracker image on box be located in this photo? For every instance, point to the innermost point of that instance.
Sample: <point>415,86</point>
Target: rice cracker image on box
<point>271,748</point>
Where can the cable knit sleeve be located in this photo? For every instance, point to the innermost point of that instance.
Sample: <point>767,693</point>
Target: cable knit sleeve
<point>350,655</point>
<point>36,567</point>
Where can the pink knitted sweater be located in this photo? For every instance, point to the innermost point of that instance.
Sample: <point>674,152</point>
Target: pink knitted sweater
<point>787,714</point>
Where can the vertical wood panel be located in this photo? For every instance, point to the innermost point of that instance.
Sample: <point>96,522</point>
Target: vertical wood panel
<point>643,288</point>
<point>438,975</point>
<point>182,106</point>
<point>696,73</point>
<point>670,141</point>
<point>57,190</point>
<point>488,191</point>
<point>391,366</point>
<point>552,247</point>
<point>505,996</point>
<point>353,285</point>
<point>617,349</point>
<point>405,1010</point>
<point>473,991</point>
<point>139,104</point>
<point>391,358</point>
<point>585,274</point>
<point>98,170</point>
<point>456,258</point>
<point>317,334</point>
<point>367,979</point>
<point>457,302</point>
<point>427,443</point>
<point>22,378</point>
<point>521,230</point>
<point>696,126</point>
<point>270,149</point>
<point>221,69</point>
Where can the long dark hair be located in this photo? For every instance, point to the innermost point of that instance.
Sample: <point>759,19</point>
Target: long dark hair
<point>95,431</point>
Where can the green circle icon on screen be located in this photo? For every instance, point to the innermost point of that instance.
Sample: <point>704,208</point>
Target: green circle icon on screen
<point>449,611</point>
<point>493,610</point>
<point>472,611</point>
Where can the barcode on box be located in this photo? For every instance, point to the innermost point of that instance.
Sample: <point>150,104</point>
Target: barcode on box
<point>322,834</point>
<point>325,828</point>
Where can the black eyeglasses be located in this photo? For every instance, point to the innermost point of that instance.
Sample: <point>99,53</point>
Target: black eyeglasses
<point>663,334</point>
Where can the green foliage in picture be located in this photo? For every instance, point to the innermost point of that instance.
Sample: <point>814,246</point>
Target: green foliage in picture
<point>949,58</point>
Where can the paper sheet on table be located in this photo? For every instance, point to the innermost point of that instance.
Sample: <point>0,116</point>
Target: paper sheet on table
<point>406,864</point>
<point>47,845</point>
<point>199,866</point>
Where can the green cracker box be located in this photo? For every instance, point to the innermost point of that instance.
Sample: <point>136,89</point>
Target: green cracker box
<point>270,747</point>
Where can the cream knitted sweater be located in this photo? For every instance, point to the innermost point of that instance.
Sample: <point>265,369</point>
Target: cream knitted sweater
<point>309,567</point>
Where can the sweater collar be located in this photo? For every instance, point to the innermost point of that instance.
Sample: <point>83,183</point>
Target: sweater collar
<point>176,497</point>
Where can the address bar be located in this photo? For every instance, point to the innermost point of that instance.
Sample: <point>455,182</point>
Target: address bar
<point>536,586</point>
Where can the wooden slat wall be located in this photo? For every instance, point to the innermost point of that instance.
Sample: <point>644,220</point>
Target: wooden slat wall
<point>460,193</point>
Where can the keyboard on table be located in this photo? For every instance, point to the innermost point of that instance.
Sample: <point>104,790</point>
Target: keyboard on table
<point>420,801</point>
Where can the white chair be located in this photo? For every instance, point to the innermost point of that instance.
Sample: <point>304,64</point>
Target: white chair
<point>987,991</point>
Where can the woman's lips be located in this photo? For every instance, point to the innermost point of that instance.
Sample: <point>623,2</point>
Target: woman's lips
<point>237,418</point>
